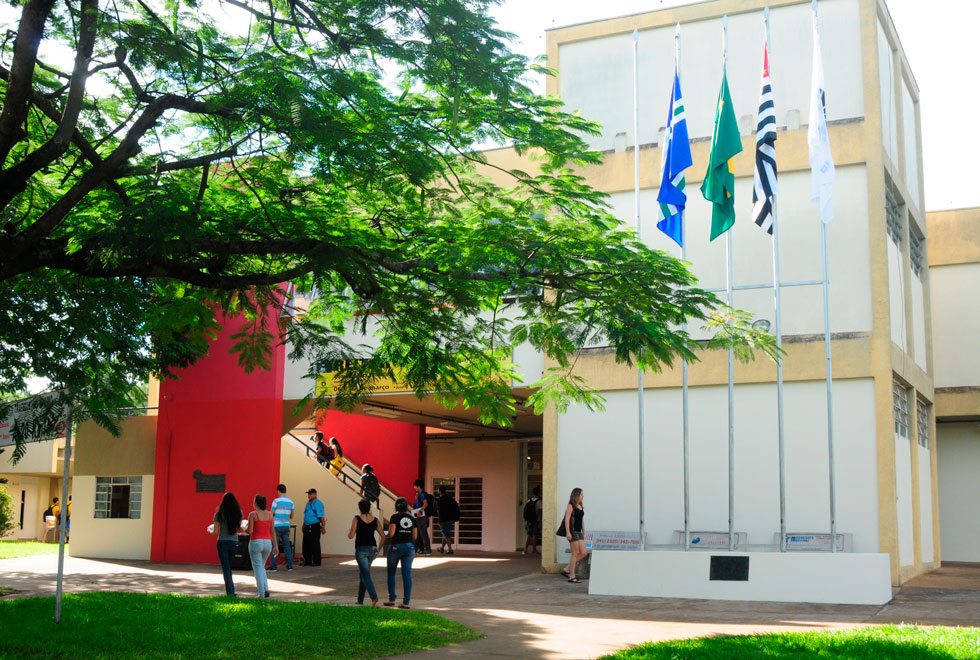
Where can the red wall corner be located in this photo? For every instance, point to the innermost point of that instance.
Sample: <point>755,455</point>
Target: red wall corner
<point>217,419</point>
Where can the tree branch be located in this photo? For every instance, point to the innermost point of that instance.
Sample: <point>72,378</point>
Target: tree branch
<point>14,180</point>
<point>29,32</point>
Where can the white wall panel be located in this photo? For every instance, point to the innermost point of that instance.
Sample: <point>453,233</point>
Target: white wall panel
<point>598,452</point>
<point>597,75</point>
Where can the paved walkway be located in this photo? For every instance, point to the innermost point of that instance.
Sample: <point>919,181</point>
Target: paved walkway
<point>522,613</point>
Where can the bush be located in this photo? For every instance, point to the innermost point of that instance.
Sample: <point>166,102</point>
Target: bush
<point>6,513</point>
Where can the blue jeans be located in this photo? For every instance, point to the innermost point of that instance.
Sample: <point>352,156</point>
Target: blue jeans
<point>404,552</point>
<point>282,536</point>
<point>226,552</point>
<point>259,550</point>
<point>364,554</point>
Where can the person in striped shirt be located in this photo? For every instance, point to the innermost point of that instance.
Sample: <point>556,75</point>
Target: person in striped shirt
<point>282,514</point>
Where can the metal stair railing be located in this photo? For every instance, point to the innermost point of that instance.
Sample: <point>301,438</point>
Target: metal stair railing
<point>346,474</point>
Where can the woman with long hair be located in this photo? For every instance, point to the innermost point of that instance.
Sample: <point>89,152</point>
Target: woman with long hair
<point>362,529</point>
<point>575,532</point>
<point>261,544</point>
<point>227,521</point>
<point>401,535</point>
<point>336,457</point>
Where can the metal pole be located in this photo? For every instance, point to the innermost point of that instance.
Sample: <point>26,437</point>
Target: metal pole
<point>830,378</point>
<point>64,515</point>
<point>779,339</point>
<point>639,236</point>
<point>830,392</point>
<point>731,355</point>
<point>684,399</point>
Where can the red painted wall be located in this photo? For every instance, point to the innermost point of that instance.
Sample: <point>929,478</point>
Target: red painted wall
<point>394,449</point>
<point>220,420</point>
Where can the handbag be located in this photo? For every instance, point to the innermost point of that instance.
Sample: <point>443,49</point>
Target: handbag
<point>561,529</point>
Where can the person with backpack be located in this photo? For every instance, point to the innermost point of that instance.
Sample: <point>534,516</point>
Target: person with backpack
<point>422,511</point>
<point>50,517</point>
<point>532,521</point>
<point>370,488</point>
<point>448,509</point>
<point>323,453</point>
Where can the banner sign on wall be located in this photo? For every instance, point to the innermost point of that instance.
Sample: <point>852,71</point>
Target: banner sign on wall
<point>604,540</point>
<point>36,418</point>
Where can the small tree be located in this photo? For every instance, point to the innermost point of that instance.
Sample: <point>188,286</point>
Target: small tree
<point>6,512</point>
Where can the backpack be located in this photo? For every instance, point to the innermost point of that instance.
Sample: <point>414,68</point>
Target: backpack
<point>531,511</point>
<point>47,512</point>
<point>372,489</point>
<point>449,510</point>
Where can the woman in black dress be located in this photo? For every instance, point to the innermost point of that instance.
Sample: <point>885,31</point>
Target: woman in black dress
<point>575,532</point>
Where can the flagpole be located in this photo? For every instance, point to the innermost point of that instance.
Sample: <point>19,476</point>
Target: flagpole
<point>827,349</point>
<point>684,397</point>
<point>59,580</point>
<point>779,336</point>
<point>639,236</point>
<point>731,356</point>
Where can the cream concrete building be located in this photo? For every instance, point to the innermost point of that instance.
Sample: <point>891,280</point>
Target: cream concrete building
<point>879,286</point>
<point>882,311</point>
<point>32,483</point>
<point>954,266</point>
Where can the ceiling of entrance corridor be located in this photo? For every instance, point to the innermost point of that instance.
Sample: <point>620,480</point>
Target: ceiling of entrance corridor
<point>441,422</point>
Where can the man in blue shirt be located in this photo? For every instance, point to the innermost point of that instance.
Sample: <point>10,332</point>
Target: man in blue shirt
<point>282,512</point>
<point>314,526</point>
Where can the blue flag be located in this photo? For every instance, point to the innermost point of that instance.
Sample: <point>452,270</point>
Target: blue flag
<point>676,159</point>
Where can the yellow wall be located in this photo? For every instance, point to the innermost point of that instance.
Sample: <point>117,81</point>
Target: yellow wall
<point>99,453</point>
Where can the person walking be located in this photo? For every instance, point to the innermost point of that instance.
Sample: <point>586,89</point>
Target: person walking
<point>322,450</point>
<point>402,533</point>
<point>370,488</point>
<point>362,529</point>
<point>227,521</point>
<point>532,521</point>
<point>448,509</point>
<point>314,526</point>
<point>282,513</point>
<point>423,512</point>
<point>575,532</point>
<point>261,544</point>
<point>336,457</point>
<point>50,516</point>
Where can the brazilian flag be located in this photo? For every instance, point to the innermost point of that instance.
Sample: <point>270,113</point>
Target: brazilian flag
<point>719,181</point>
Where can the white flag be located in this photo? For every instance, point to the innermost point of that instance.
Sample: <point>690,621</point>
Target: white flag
<point>821,160</point>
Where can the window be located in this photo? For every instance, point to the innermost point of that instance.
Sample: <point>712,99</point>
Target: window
<point>915,251</point>
<point>118,497</point>
<point>900,394</point>
<point>893,217</point>
<point>922,422</point>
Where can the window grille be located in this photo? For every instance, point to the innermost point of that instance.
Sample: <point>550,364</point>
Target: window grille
<point>915,251</point>
<point>893,218</point>
<point>900,394</point>
<point>118,497</point>
<point>922,422</point>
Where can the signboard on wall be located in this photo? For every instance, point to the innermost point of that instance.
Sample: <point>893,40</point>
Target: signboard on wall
<point>606,540</point>
<point>37,418</point>
<point>819,542</point>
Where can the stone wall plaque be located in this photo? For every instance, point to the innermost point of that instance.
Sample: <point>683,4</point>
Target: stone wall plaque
<point>209,483</point>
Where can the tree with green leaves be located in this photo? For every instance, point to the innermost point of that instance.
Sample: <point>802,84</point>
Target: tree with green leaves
<point>164,163</point>
<point>7,520</point>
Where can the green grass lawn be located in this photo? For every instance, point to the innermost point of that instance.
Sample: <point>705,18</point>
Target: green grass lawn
<point>170,626</point>
<point>10,549</point>
<point>877,643</point>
